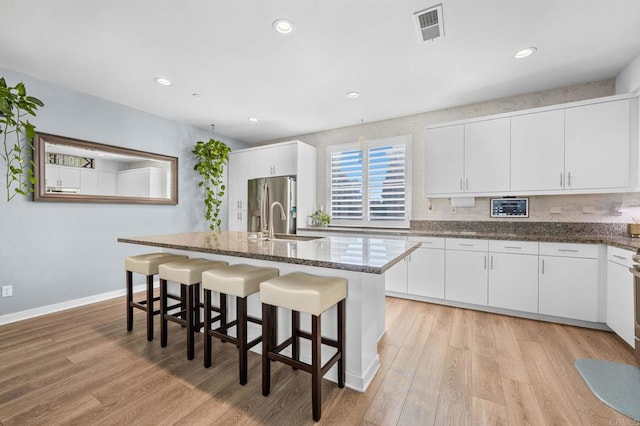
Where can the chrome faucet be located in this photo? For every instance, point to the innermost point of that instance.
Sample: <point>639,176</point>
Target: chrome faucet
<point>283,216</point>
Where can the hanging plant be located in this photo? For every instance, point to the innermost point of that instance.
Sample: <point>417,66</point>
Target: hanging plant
<point>211,156</point>
<point>17,137</point>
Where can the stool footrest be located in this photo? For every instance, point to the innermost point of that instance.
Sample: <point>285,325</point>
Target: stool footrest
<point>254,320</point>
<point>177,318</point>
<point>299,365</point>
<point>324,340</point>
<point>275,355</point>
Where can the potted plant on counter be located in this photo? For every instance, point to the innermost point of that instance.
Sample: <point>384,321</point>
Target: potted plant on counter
<point>320,218</point>
<point>211,157</point>
<point>17,137</point>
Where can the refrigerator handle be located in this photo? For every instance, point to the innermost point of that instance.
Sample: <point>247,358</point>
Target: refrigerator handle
<point>264,207</point>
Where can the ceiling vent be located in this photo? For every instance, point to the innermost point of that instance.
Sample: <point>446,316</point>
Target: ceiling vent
<point>430,23</point>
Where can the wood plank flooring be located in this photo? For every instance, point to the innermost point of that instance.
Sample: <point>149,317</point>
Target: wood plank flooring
<point>439,365</point>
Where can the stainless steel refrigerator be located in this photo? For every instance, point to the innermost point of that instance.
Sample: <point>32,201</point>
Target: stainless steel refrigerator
<point>262,193</point>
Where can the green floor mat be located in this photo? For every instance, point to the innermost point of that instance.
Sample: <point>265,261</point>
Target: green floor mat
<point>617,385</point>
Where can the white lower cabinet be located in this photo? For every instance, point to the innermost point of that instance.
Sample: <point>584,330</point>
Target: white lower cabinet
<point>238,220</point>
<point>395,279</point>
<point>425,272</point>
<point>513,275</point>
<point>620,293</point>
<point>569,281</point>
<point>466,270</point>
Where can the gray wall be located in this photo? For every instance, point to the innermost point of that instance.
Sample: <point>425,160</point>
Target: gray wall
<point>56,252</point>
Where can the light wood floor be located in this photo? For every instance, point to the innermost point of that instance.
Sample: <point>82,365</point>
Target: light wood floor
<point>440,365</point>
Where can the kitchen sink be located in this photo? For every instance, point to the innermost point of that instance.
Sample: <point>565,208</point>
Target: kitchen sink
<point>292,237</point>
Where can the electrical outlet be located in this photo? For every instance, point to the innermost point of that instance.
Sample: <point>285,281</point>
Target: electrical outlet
<point>7,290</point>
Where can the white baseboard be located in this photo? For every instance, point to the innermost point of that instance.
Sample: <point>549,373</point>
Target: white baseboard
<point>57,307</point>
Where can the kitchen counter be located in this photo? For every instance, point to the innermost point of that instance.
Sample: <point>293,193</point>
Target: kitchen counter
<point>619,241</point>
<point>362,261</point>
<point>359,254</point>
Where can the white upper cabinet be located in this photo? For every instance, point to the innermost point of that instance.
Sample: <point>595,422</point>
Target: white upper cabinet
<point>444,153</point>
<point>468,158</point>
<point>537,151</point>
<point>280,161</point>
<point>597,146</point>
<point>584,147</point>
<point>486,156</point>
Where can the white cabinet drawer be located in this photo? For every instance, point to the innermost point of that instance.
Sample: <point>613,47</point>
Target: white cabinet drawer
<point>429,242</point>
<point>588,251</point>
<point>620,256</point>
<point>517,247</point>
<point>468,244</point>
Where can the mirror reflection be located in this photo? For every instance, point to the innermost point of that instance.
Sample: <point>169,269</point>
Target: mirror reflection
<point>74,170</point>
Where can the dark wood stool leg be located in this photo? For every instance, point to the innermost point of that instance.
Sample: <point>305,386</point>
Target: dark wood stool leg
<point>207,328</point>
<point>316,366</point>
<point>197,323</point>
<point>190,319</point>
<point>183,302</point>
<point>223,313</point>
<point>129,281</point>
<point>150,307</point>
<point>267,341</point>
<point>163,312</point>
<point>341,339</point>
<point>295,343</point>
<point>241,307</point>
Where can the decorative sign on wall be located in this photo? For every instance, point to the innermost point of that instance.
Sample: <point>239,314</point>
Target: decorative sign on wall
<point>70,161</point>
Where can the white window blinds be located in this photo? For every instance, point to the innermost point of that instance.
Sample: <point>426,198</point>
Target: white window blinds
<point>370,183</point>
<point>347,181</point>
<point>387,182</point>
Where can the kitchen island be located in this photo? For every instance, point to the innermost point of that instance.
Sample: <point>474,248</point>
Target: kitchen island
<point>362,261</point>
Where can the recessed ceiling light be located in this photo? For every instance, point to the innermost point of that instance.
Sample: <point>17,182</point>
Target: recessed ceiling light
<point>195,95</point>
<point>353,95</point>
<point>521,54</point>
<point>283,26</point>
<point>253,119</point>
<point>163,81</point>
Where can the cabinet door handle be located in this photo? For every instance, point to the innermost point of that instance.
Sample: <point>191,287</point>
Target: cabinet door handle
<point>485,262</point>
<point>569,179</point>
<point>569,250</point>
<point>465,245</point>
<point>491,266</point>
<point>513,247</point>
<point>467,183</point>
<point>619,257</point>
<point>542,266</point>
<point>561,179</point>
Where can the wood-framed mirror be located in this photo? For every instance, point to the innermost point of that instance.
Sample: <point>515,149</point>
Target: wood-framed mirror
<point>74,170</point>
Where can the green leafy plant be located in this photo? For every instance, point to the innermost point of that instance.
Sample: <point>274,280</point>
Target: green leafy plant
<point>17,137</point>
<point>211,156</point>
<point>320,218</point>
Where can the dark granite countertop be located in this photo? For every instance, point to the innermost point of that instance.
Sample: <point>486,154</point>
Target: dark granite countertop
<point>357,253</point>
<point>588,233</point>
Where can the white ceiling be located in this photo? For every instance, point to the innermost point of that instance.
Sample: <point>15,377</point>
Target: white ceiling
<point>227,52</point>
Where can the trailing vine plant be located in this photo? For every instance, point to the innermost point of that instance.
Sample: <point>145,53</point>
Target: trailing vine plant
<point>17,137</point>
<point>211,157</point>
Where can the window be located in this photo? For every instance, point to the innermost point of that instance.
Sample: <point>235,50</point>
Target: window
<point>370,183</point>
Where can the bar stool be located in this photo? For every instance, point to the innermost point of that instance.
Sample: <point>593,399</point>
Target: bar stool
<point>313,295</point>
<point>187,273</point>
<point>147,265</point>
<point>240,281</point>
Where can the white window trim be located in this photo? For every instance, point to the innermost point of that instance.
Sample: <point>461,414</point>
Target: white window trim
<point>365,223</point>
